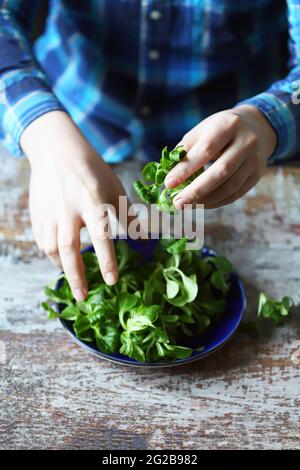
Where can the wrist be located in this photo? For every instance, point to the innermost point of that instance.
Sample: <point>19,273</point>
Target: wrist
<point>267,138</point>
<point>48,133</point>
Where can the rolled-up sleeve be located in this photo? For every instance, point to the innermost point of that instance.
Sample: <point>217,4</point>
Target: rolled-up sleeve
<point>24,92</point>
<point>280,103</point>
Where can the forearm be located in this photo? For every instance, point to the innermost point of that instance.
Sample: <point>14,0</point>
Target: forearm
<point>25,92</point>
<point>70,186</point>
<point>46,131</point>
<point>277,103</point>
<point>260,126</point>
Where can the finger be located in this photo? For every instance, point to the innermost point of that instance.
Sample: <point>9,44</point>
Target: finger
<point>122,204</point>
<point>211,140</point>
<point>117,198</point>
<point>69,250</point>
<point>247,186</point>
<point>50,245</point>
<point>97,223</point>
<point>219,172</point>
<point>230,186</point>
<point>190,138</point>
<point>124,212</point>
<point>37,230</point>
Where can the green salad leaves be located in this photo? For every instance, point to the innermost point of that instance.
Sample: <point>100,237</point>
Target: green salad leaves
<point>153,308</point>
<point>270,311</point>
<point>274,310</point>
<point>154,173</point>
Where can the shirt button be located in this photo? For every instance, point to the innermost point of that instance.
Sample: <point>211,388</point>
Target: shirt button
<point>155,15</point>
<point>154,54</point>
<point>145,110</point>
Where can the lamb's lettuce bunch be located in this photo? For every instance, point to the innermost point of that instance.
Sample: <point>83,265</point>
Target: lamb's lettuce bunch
<point>152,190</point>
<point>152,310</point>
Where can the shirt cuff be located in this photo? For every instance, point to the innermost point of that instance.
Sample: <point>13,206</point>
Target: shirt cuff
<point>279,114</point>
<point>24,108</point>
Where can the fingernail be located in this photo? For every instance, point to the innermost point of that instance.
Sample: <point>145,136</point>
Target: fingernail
<point>179,203</point>
<point>79,294</point>
<point>171,182</point>
<point>110,278</point>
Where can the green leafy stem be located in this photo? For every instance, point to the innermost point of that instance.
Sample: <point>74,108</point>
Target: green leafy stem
<point>152,190</point>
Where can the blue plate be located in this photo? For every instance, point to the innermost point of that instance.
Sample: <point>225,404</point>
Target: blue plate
<point>213,338</point>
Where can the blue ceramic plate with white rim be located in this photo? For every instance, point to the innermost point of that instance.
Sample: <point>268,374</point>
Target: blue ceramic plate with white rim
<point>211,340</point>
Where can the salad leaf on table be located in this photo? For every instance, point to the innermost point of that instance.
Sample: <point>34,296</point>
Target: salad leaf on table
<point>153,308</point>
<point>274,310</point>
<point>270,311</point>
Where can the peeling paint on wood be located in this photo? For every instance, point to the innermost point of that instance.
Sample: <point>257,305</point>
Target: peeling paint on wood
<point>54,395</point>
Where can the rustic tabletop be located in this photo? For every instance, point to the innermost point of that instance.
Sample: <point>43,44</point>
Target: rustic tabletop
<point>54,395</point>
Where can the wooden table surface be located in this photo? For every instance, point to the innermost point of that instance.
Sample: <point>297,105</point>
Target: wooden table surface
<point>54,395</point>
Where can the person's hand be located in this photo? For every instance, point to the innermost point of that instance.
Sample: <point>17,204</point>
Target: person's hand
<point>68,187</point>
<point>240,140</point>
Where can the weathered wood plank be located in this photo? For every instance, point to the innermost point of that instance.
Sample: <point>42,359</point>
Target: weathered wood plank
<point>55,395</point>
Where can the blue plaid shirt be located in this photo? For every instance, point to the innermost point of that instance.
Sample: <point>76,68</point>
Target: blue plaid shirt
<point>135,75</point>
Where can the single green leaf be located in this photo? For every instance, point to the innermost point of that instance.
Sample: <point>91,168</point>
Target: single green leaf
<point>213,308</point>
<point>204,269</point>
<point>171,318</point>
<point>188,287</point>
<point>91,261</point>
<point>138,353</point>
<point>150,170</point>
<point>202,323</point>
<point>82,328</point>
<point>160,350</point>
<point>61,295</point>
<point>125,303</point>
<point>177,246</point>
<point>219,281</point>
<point>112,338</point>
<point>172,288</point>
<point>160,176</point>
<point>125,255</point>
<point>165,162</point>
<point>177,154</point>
<point>127,346</point>
<point>221,263</point>
<point>147,193</point>
<point>52,314</point>
<point>70,313</point>
<point>138,323</point>
<point>178,352</point>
